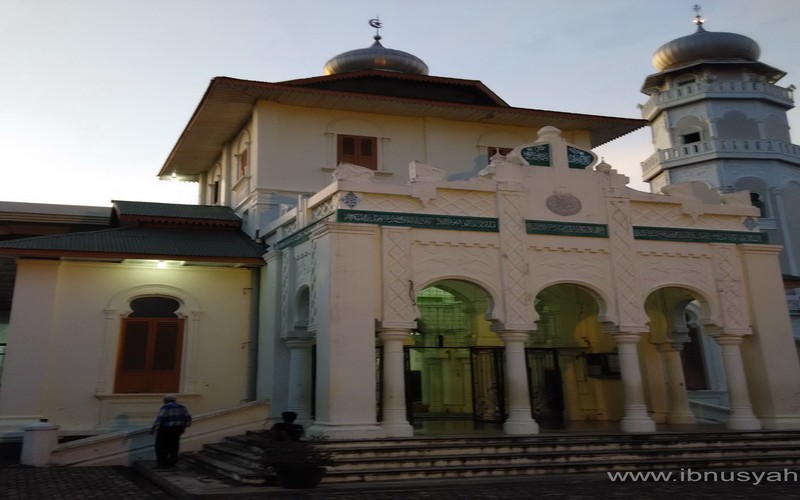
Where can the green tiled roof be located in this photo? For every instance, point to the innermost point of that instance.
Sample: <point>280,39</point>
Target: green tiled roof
<point>143,242</point>
<point>138,211</point>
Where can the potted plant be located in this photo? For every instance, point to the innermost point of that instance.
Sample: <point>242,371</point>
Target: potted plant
<point>297,464</point>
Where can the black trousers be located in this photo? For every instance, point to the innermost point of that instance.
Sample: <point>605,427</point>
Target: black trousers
<point>167,444</point>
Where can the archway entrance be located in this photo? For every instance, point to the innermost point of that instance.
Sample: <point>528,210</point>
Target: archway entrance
<point>571,361</point>
<point>690,385</point>
<point>454,362</point>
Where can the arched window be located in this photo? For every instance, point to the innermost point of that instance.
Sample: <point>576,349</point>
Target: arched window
<point>150,348</point>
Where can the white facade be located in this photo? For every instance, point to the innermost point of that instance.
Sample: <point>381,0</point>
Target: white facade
<point>65,336</point>
<point>447,281</point>
<point>347,267</point>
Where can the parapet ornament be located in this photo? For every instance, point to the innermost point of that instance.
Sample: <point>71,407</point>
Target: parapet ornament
<point>350,172</point>
<point>422,172</point>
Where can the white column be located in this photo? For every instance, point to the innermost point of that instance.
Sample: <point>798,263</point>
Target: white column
<point>299,386</point>
<point>395,422</point>
<point>520,420</point>
<point>635,417</point>
<point>741,416</point>
<point>679,412</point>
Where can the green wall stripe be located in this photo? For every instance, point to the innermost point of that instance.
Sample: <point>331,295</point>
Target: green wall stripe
<point>697,235</point>
<point>566,228</point>
<point>424,221</point>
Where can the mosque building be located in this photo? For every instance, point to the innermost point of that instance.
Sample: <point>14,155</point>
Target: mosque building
<point>386,252</point>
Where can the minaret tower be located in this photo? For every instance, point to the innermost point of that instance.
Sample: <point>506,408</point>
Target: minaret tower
<point>718,116</point>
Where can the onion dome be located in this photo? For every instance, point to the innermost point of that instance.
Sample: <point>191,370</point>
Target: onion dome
<point>705,45</point>
<point>375,57</point>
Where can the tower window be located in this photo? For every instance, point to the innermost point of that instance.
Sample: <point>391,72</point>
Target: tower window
<point>689,138</point>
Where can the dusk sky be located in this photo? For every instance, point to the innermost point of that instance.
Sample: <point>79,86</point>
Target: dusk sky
<point>94,93</point>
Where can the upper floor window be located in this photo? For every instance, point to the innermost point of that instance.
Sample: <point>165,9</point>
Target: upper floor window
<point>150,349</point>
<point>357,150</point>
<point>493,150</point>
<point>215,192</point>
<point>756,201</point>
<point>242,162</point>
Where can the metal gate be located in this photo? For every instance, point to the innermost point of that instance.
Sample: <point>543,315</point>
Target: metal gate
<point>488,384</point>
<point>544,383</point>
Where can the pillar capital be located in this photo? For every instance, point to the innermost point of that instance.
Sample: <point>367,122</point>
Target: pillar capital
<point>626,337</point>
<point>298,339</point>
<point>389,334</point>
<point>513,335</point>
<point>725,339</point>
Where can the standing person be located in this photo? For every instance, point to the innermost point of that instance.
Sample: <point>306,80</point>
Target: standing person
<point>172,420</point>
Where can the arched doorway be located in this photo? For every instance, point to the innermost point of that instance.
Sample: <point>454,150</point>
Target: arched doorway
<point>580,380</point>
<point>682,366</point>
<point>454,362</point>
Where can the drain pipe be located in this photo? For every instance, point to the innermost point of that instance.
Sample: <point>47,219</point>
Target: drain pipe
<point>252,344</point>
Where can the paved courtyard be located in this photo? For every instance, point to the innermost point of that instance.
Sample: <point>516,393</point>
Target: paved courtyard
<point>27,483</point>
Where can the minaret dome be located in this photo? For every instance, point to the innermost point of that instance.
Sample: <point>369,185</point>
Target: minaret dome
<point>375,57</point>
<point>703,45</point>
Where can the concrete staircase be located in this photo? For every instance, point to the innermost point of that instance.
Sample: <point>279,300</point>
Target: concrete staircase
<point>507,456</point>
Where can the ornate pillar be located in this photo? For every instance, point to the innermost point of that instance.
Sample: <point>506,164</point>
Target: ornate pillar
<point>635,417</point>
<point>679,412</point>
<point>520,420</point>
<point>741,416</point>
<point>299,384</point>
<point>395,423</point>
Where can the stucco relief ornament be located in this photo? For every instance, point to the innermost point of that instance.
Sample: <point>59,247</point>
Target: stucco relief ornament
<point>750,223</point>
<point>563,204</point>
<point>351,199</point>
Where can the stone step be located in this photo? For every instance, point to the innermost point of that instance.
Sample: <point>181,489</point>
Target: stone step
<point>239,457</point>
<point>244,475</point>
<point>430,449</point>
<point>538,458</point>
<point>490,471</point>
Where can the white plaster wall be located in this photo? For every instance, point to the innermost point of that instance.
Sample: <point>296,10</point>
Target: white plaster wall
<point>293,148</point>
<point>69,349</point>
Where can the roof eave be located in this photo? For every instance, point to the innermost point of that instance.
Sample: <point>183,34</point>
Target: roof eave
<point>117,256</point>
<point>199,153</point>
<point>657,79</point>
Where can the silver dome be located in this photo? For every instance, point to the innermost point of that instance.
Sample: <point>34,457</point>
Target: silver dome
<point>376,57</point>
<point>705,45</point>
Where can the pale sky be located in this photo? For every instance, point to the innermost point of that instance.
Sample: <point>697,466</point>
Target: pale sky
<point>94,93</point>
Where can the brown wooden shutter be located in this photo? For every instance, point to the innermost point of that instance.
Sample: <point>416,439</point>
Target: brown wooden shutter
<point>166,361</point>
<point>358,150</point>
<point>149,357</point>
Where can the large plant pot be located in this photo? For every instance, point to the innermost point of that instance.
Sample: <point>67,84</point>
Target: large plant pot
<point>299,477</point>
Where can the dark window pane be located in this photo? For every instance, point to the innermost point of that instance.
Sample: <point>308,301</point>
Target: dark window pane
<point>348,146</point>
<point>366,147</point>
<point>166,346</point>
<point>154,307</point>
<point>134,351</point>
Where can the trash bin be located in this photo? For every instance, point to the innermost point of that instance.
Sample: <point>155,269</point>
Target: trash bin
<point>38,440</point>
